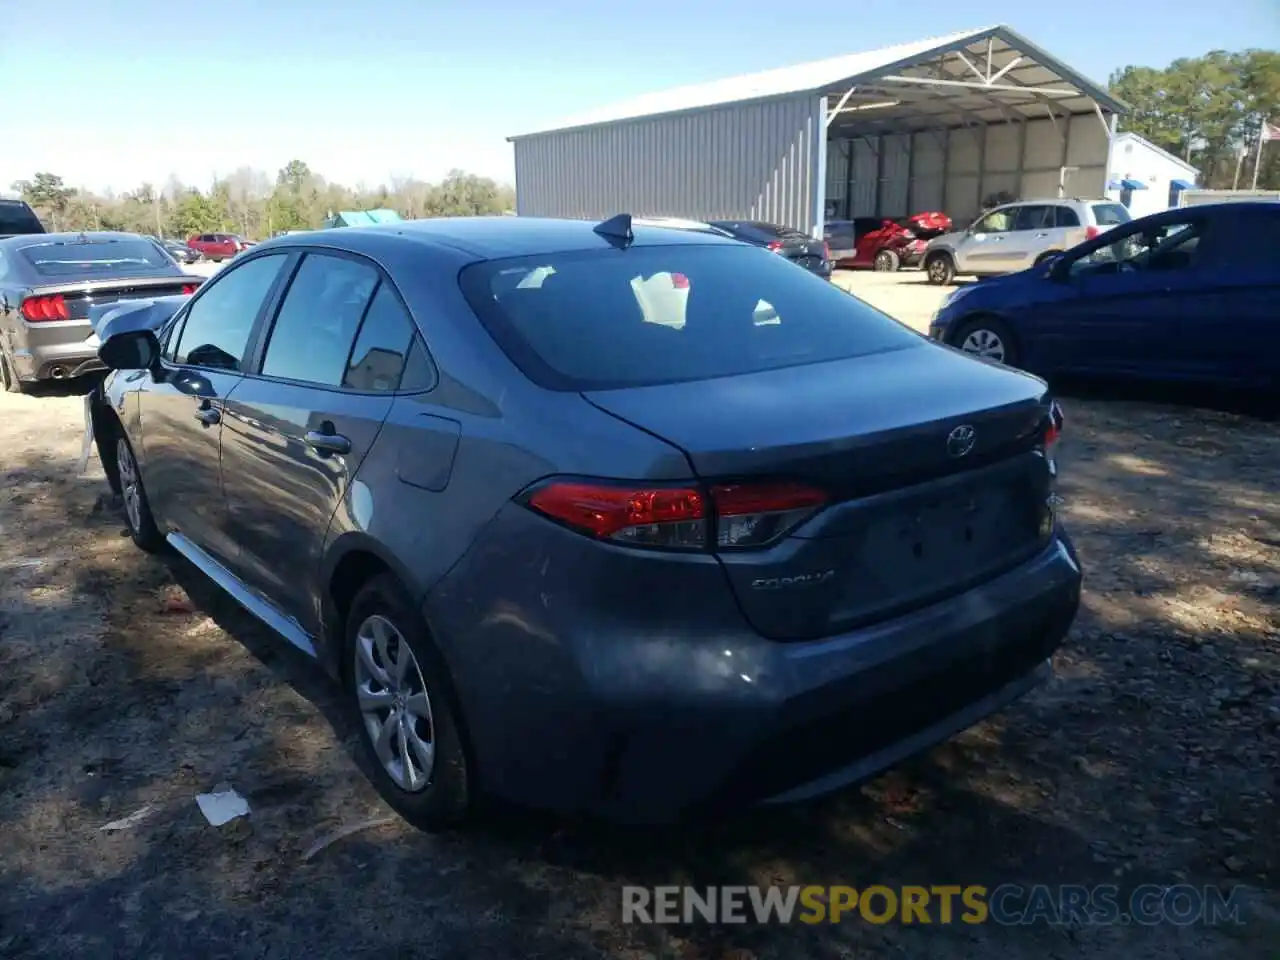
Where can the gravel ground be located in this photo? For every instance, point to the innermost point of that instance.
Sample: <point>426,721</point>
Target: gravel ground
<point>128,684</point>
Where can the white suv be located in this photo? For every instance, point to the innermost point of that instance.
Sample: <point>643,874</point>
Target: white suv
<point>1019,235</point>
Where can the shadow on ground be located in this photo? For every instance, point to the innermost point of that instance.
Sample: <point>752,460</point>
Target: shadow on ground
<point>1151,758</point>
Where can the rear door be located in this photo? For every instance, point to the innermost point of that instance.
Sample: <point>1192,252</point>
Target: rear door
<point>300,425</point>
<point>182,407</point>
<point>1234,337</point>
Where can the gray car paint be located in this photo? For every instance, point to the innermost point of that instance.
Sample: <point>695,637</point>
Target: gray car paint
<point>593,677</point>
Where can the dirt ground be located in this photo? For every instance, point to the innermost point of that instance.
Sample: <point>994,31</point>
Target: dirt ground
<point>1154,756</point>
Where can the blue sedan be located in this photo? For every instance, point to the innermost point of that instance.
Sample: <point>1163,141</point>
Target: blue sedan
<point>1188,294</point>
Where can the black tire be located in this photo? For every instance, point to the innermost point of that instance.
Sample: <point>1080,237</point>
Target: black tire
<point>142,524</point>
<point>447,799</point>
<point>994,327</point>
<point>9,377</point>
<point>940,269</point>
<point>886,261</point>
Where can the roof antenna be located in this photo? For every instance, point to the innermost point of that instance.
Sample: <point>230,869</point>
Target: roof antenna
<point>617,228</point>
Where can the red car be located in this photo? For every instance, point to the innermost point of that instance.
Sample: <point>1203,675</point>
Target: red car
<point>218,246</point>
<point>883,245</point>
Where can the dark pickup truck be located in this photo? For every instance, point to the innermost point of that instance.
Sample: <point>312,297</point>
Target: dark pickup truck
<point>17,217</point>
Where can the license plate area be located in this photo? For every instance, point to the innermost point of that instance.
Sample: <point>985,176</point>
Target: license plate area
<point>948,536</point>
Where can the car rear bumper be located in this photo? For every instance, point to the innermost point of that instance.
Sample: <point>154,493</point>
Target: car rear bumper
<point>588,689</point>
<point>56,350</point>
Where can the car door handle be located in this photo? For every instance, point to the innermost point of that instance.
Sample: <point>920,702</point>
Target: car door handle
<point>325,443</point>
<point>208,416</point>
<point>1041,236</point>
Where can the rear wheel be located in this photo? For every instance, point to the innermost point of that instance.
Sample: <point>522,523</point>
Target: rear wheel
<point>940,268</point>
<point>989,338</point>
<point>886,262</point>
<point>401,697</point>
<point>9,377</point>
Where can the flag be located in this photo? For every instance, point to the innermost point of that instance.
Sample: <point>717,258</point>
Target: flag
<point>1270,131</point>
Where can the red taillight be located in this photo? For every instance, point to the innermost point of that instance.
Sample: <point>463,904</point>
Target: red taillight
<point>42,309</point>
<point>1053,425</point>
<point>685,517</point>
<point>775,245</point>
<point>189,288</point>
<point>680,281</point>
<point>1091,232</point>
<point>826,251</point>
<point>751,515</point>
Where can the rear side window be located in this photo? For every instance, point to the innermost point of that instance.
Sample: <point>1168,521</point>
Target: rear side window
<point>1110,214</point>
<point>378,357</point>
<point>16,218</point>
<point>221,318</point>
<point>317,322</point>
<point>1066,217</point>
<point>1033,217</point>
<point>647,315</point>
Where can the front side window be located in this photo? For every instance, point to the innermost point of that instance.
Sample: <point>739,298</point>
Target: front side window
<point>1169,247</point>
<point>997,221</point>
<point>661,314</point>
<point>221,319</point>
<point>317,323</point>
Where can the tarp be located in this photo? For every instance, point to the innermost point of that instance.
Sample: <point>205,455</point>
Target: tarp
<point>362,218</point>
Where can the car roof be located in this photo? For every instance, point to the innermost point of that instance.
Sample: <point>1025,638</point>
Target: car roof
<point>489,238</point>
<point>35,239</point>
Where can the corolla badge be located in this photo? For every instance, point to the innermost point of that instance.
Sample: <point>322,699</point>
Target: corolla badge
<point>960,440</point>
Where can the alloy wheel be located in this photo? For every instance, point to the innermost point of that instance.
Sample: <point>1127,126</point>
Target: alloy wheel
<point>129,486</point>
<point>984,343</point>
<point>394,704</point>
<point>938,269</point>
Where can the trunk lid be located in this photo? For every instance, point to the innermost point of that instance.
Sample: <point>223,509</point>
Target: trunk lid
<point>910,518</point>
<point>82,296</point>
<point>803,250</point>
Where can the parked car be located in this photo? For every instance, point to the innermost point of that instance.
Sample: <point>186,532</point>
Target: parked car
<point>881,244</point>
<point>560,555</point>
<point>179,250</point>
<point>17,217</point>
<point>1175,295</point>
<point>1019,235</point>
<point>791,244</point>
<point>49,282</point>
<point>218,246</point>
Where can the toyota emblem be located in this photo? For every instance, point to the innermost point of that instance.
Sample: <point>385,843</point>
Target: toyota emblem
<point>960,440</point>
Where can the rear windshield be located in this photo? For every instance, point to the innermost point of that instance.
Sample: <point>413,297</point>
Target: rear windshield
<point>1110,214</point>
<point>125,257</point>
<point>16,218</point>
<point>600,320</point>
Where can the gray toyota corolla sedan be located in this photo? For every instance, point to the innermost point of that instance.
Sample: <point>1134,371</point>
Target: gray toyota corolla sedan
<point>601,518</point>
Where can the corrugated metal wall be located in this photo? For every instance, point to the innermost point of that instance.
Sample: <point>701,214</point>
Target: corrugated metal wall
<point>954,171</point>
<point>752,160</point>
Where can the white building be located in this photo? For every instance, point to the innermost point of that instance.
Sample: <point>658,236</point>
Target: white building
<point>1145,178</point>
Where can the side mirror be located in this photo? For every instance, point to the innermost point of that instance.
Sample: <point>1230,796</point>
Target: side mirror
<point>1057,267</point>
<point>131,350</point>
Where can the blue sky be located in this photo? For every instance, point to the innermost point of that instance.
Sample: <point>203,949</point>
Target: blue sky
<point>109,93</point>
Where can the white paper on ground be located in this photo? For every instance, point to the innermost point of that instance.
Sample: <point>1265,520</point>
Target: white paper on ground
<point>131,820</point>
<point>222,805</point>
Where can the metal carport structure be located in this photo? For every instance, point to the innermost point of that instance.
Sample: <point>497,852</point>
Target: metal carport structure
<point>941,123</point>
